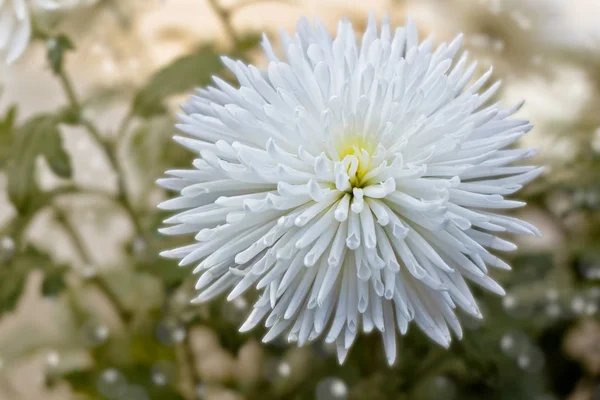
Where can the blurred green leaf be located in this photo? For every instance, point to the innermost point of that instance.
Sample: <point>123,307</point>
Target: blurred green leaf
<point>247,43</point>
<point>54,282</point>
<point>135,290</point>
<point>56,156</point>
<point>6,133</point>
<point>183,74</point>
<point>13,276</point>
<point>89,383</point>
<point>38,136</point>
<point>168,271</point>
<point>153,150</point>
<point>57,47</point>
<point>529,268</point>
<point>131,358</point>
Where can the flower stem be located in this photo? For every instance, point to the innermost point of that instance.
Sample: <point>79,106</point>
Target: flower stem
<point>70,91</point>
<point>108,149</point>
<point>124,314</point>
<point>189,365</point>
<point>224,16</point>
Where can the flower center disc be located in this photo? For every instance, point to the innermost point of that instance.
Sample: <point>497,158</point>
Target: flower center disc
<point>356,152</point>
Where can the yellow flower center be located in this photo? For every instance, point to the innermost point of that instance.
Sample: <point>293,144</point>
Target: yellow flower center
<point>357,151</point>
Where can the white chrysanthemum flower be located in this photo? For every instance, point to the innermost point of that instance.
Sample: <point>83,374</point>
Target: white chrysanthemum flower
<point>355,186</point>
<point>15,23</point>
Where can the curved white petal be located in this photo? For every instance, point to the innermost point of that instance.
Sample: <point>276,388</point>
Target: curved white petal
<point>15,29</point>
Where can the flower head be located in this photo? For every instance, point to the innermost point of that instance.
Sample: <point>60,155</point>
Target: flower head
<point>354,185</point>
<point>15,24</point>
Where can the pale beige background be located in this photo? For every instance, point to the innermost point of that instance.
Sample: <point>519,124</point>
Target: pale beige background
<point>161,30</point>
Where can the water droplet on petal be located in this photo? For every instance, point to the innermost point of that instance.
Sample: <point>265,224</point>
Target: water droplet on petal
<point>332,389</point>
<point>552,294</point>
<point>179,334</point>
<point>531,360</point>
<point>139,248</point>
<point>509,301</point>
<point>514,343</point>
<point>7,249</point>
<point>163,373</point>
<point>553,310</point>
<point>95,333</point>
<point>87,271</point>
<point>284,369</point>
<point>515,307</point>
<point>51,44</point>
<point>578,305</point>
<point>111,383</point>
<point>170,333</point>
<point>591,309</point>
<point>53,359</point>
<point>443,388</point>
<point>497,45</point>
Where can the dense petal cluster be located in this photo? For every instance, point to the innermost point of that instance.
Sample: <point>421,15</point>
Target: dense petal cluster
<point>354,184</point>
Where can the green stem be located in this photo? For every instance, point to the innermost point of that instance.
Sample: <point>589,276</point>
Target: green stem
<point>111,155</point>
<point>189,362</point>
<point>70,91</point>
<point>108,149</point>
<point>431,364</point>
<point>72,189</point>
<point>224,16</point>
<point>17,227</point>
<point>124,125</point>
<point>110,295</point>
<point>124,314</point>
<point>426,369</point>
<point>73,236</point>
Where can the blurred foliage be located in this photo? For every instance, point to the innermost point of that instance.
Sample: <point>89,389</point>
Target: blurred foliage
<point>14,273</point>
<point>149,344</point>
<point>39,136</point>
<point>57,47</point>
<point>184,73</point>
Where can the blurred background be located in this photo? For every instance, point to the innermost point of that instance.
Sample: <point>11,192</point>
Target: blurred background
<point>89,311</point>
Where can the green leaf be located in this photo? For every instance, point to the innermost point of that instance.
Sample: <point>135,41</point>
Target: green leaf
<point>27,146</point>
<point>13,276</point>
<point>247,43</point>
<point>135,290</point>
<point>57,47</point>
<point>153,149</point>
<point>131,356</point>
<point>89,383</point>
<point>6,134</point>
<point>529,268</point>
<point>54,283</point>
<point>183,74</point>
<point>168,271</point>
<point>39,136</point>
<point>56,156</point>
